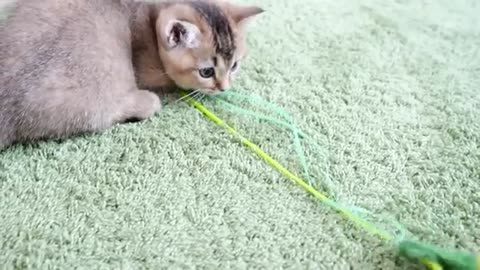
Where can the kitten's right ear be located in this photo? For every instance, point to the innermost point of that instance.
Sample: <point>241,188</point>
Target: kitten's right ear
<point>176,33</point>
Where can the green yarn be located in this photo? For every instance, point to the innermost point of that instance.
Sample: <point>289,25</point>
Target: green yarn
<point>447,259</point>
<point>383,226</point>
<point>392,229</point>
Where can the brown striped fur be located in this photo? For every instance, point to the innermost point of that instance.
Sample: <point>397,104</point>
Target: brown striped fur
<point>221,41</point>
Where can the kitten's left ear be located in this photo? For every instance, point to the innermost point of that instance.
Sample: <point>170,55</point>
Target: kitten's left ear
<point>242,15</point>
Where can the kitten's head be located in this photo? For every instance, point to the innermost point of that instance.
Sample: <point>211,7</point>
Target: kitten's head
<point>202,42</point>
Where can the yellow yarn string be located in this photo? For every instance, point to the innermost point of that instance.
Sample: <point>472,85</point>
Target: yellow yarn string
<point>297,180</point>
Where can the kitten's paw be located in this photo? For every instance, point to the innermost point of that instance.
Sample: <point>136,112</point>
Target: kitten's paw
<point>145,105</point>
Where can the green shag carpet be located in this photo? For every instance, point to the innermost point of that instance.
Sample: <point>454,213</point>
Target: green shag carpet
<point>390,89</point>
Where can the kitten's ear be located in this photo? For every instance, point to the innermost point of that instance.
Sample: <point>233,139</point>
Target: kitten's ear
<point>177,33</point>
<point>242,15</point>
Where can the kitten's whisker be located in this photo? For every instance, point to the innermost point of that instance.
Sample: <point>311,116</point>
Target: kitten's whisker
<point>187,96</point>
<point>197,95</point>
<point>194,96</point>
<point>202,97</point>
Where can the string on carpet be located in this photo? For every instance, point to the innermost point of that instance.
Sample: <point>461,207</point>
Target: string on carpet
<point>385,227</point>
<point>392,229</point>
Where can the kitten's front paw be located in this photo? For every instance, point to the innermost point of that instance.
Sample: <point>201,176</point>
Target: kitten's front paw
<point>146,104</point>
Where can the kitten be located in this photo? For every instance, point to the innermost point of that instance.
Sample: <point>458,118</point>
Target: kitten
<point>79,66</point>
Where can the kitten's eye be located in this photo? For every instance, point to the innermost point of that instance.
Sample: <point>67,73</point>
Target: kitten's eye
<point>235,66</point>
<point>207,72</point>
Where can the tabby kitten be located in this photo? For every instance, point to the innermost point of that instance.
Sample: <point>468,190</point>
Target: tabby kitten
<point>77,66</point>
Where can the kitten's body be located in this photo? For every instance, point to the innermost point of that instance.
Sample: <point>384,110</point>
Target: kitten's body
<point>75,66</point>
<point>70,75</point>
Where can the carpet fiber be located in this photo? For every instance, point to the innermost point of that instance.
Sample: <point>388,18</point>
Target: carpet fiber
<point>388,88</point>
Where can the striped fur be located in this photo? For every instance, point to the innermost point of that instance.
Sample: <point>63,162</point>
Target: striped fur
<point>219,24</point>
<point>194,37</point>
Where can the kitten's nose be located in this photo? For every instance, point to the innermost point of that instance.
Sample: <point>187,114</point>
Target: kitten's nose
<point>222,86</point>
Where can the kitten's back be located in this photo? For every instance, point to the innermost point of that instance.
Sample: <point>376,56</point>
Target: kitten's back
<point>56,56</point>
